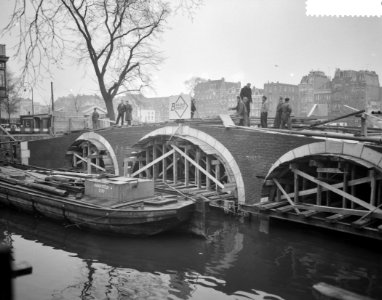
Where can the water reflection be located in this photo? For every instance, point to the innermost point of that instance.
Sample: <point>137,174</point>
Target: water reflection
<point>238,260</point>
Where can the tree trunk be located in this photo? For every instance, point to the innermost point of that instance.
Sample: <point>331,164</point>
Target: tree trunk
<point>109,107</point>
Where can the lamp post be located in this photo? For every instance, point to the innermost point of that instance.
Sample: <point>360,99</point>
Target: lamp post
<point>32,99</point>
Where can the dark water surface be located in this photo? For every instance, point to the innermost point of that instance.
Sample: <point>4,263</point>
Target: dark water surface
<point>238,260</point>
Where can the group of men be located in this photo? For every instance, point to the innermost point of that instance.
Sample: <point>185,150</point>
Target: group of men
<point>125,112</point>
<point>243,108</point>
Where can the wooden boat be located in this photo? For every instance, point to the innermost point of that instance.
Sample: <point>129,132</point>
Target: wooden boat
<point>118,205</point>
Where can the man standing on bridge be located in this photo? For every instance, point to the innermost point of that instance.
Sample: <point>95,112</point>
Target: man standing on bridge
<point>121,112</point>
<point>246,91</point>
<point>129,112</point>
<point>286,111</point>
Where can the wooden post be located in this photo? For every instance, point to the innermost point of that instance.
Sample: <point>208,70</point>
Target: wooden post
<point>296,200</point>
<point>373,187</point>
<point>304,186</point>
<point>197,171</point>
<point>164,164</point>
<point>140,164</point>
<point>319,191</point>
<point>217,171</point>
<point>84,155</point>
<point>186,167</point>
<point>208,169</point>
<point>175,168</point>
<point>327,192</point>
<point>148,173</point>
<point>345,188</point>
<point>155,167</point>
<point>198,179</point>
<point>352,189</point>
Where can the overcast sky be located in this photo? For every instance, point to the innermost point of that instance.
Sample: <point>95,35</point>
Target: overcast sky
<point>252,41</point>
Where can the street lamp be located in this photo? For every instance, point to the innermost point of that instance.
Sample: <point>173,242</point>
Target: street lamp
<point>32,99</point>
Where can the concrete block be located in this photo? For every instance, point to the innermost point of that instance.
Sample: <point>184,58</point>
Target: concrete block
<point>352,149</point>
<point>24,146</point>
<point>25,153</point>
<point>333,147</point>
<point>371,155</point>
<point>317,148</point>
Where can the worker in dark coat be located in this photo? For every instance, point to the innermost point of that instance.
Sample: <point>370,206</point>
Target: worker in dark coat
<point>121,112</point>
<point>246,91</point>
<point>193,108</point>
<point>241,111</point>
<point>95,118</point>
<point>286,111</point>
<point>129,112</point>
<point>277,122</point>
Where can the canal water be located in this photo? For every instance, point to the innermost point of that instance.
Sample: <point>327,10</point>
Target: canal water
<point>237,260</point>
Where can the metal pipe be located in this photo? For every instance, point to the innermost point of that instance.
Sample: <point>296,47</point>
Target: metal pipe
<point>314,133</point>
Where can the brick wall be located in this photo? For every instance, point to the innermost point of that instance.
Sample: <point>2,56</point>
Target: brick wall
<point>254,151</point>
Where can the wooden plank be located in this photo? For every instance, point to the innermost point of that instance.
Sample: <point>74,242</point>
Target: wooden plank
<point>362,222</point>
<point>336,217</point>
<point>329,170</point>
<point>330,292</point>
<point>186,168</point>
<point>339,210</point>
<point>284,209</point>
<point>218,183</point>
<point>373,187</point>
<point>208,170</point>
<point>337,191</point>
<point>164,164</point>
<point>152,163</point>
<point>272,205</point>
<point>308,213</point>
<point>286,195</point>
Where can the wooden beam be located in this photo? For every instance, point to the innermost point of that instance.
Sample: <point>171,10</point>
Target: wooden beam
<point>86,161</point>
<point>336,185</point>
<point>208,170</point>
<point>339,210</point>
<point>286,195</point>
<point>164,164</point>
<point>337,191</point>
<point>373,186</point>
<point>155,166</point>
<point>186,168</point>
<point>218,183</point>
<point>175,167</point>
<point>197,171</point>
<point>148,172</point>
<point>296,188</point>
<point>329,170</point>
<point>153,162</point>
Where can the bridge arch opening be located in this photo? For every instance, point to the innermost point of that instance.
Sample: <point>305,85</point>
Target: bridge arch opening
<point>189,159</point>
<point>334,180</point>
<point>92,153</point>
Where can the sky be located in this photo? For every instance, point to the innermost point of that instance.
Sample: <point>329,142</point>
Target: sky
<point>256,41</point>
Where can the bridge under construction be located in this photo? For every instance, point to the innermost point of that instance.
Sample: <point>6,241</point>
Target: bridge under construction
<point>330,180</point>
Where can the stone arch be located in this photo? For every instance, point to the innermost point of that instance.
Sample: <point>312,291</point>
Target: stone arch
<point>101,143</point>
<point>352,151</point>
<point>199,137</point>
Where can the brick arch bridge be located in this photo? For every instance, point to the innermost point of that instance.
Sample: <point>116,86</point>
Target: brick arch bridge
<point>246,158</point>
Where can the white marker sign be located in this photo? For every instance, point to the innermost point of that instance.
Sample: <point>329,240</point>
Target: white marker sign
<point>180,107</point>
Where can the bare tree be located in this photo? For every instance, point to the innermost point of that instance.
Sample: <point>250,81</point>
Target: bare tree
<point>192,83</point>
<point>11,103</point>
<point>115,36</point>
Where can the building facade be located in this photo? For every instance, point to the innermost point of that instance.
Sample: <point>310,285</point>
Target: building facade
<point>257,95</point>
<point>215,97</point>
<point>274,90</point>
<point>314,88</point>
<point>357,89</point>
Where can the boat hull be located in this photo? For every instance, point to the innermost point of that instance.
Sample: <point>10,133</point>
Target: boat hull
<point>131,221</point>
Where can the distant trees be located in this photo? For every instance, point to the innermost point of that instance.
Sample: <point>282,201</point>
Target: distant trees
<point>11,104</point>
<point>114,36</point>
<point>192,83</point>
